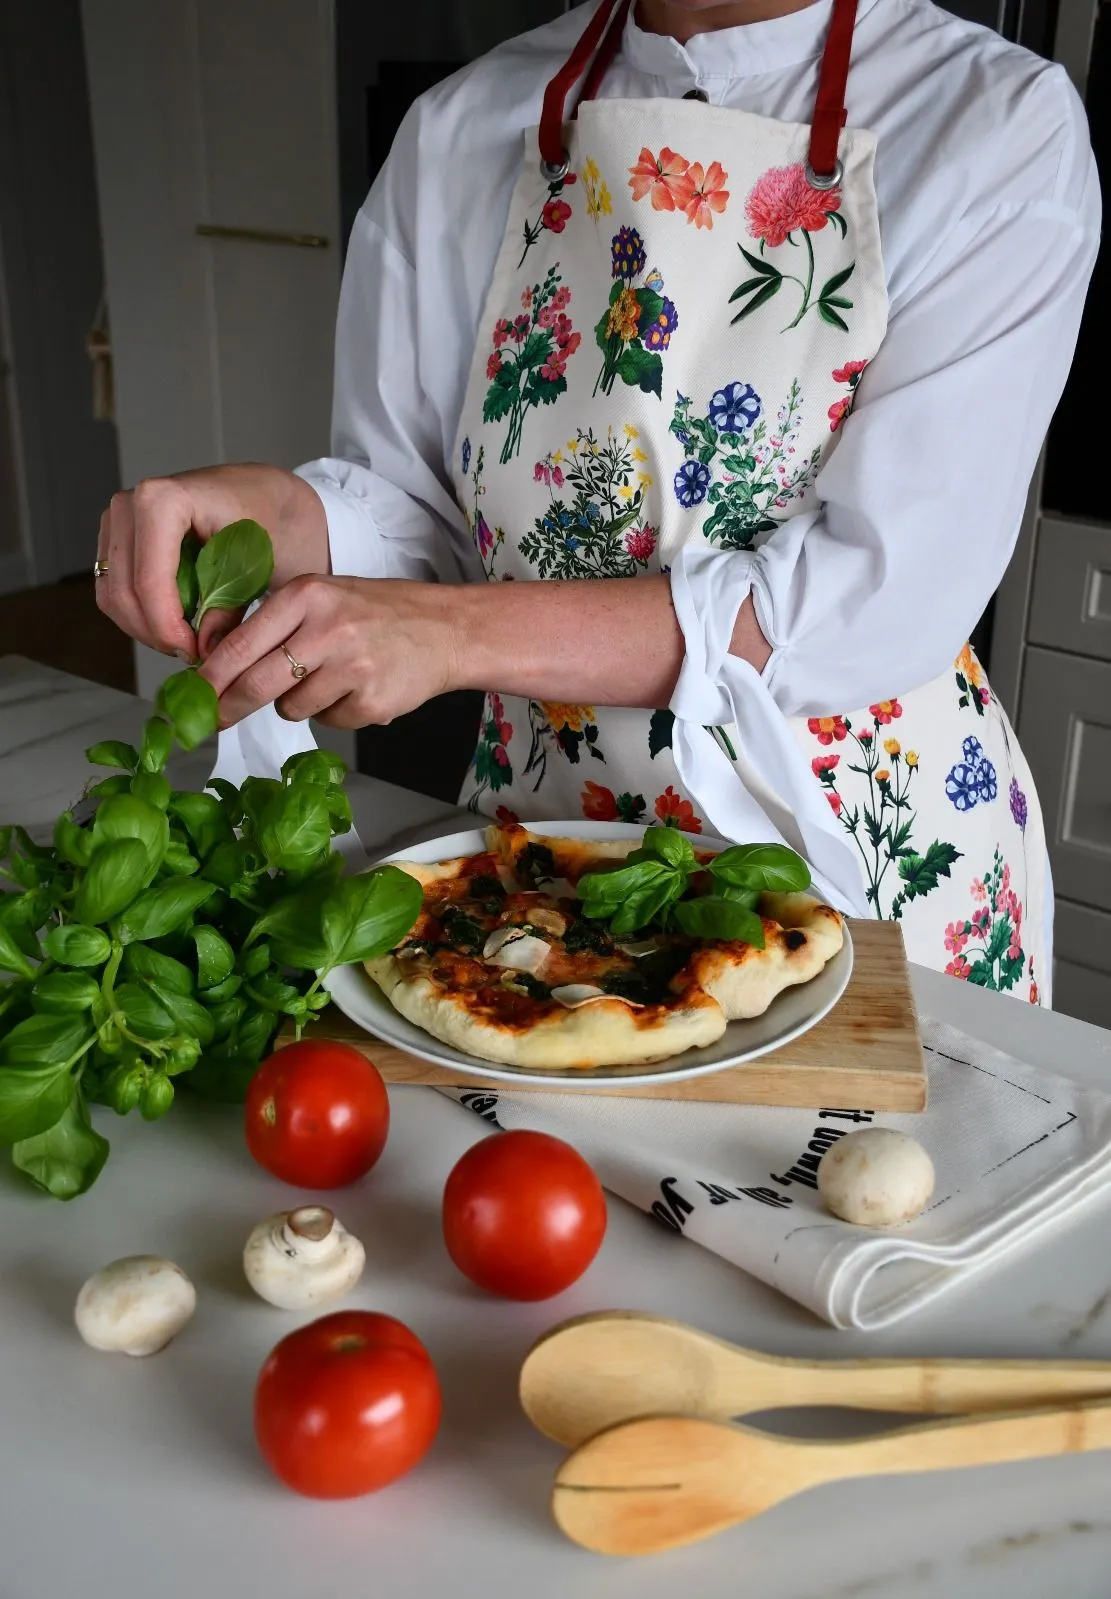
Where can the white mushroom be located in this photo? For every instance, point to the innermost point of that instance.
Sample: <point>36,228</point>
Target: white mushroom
<point>298,1259</point>
<point>135,1305</point>
<point>876,1177</point>
<point>516,949</point>
<point>640,946</point>
<point>549,920</point>
<point>575,994</point>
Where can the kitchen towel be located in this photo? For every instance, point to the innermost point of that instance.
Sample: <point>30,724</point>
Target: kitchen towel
<point>1016,1151</point>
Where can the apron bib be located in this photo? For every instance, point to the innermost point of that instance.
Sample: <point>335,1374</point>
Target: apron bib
<point>682,308</point>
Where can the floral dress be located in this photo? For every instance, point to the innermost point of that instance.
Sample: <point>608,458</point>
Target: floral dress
<point>675,334</point>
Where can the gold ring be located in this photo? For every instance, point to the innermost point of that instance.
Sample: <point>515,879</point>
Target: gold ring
<point>100,567</point>
<point>299,671</point>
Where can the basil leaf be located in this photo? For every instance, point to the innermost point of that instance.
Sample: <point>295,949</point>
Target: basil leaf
<point>255,960</point>
<point>273,993</point>
<point>188,589</point>
<point>109,787</point>
<point>180,861</point>
<point>224,1072</point>
<point>143,1012</point>
<point>295,828</point>
<point>151,787</point>
<point>76,945</point>
<point>158,741</point>
<point>773,868</point>
<point>366,915</point>
<point>12,958</point>
<point>189,702</point>
<point>204,819</point>
<point>116,873</point>
<point>162,909</point>
<point>294,928</point>
<point>314,766</point>
<point>32,1098</point>
<point>146,964</point>
<point>631,896</point>
<point>711,917</point>
<point>339,808</point>
<point>188,1014</point>
<point>222,991</point>
<point>255,795</point>
<point>234,567</point>
<point>215,956</point>
<point>129,817</point>
<point>229,800</point>
<point>666,844</point>
<point>229,864</point>
<point>748,897</point>
<point>66,1159</point>
<point>227,1015</point>
<point>44,1041</point>
<point>73,843</point>
<point>65,993</point>
<point>113,752</point>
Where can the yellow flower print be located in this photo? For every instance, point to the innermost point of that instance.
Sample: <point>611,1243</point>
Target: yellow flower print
<point>590,171</point>
<point>970,668</point>
<point>558,458</point>
<point>599,201</point>
<point>644,480</point>
<point>572,446</point>
<point>638,454</point>
<point>883,775</point>
<point>892,746</point>
<point>624,315</point>
<point>625,492</point>
<point>632,433</point>
<point>572,716</point>
<point>912,758</point>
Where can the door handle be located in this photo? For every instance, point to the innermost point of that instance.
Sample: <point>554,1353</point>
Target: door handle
<point>304,241</point>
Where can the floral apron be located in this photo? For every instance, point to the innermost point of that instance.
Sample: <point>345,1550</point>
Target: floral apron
<point>682,308</point>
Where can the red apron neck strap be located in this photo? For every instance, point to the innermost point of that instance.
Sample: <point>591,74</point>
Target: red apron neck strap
<point>823,169</point>
<point>553,157</point>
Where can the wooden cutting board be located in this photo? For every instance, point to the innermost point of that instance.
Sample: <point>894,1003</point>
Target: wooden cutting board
<point>865,1055</point>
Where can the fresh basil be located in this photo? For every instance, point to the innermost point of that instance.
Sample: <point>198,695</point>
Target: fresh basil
<point>33,1098</point>
<point>367,915</point>
<point>67,1158</point>
<point>771,868</point>
<point>130,817</point>
<point>711,917</point>
<point>205,821</point>
<point>188,588</point>
<point>65,993</point>
<point>113,752</point>
<point>158,741</point>
<point>12,958</point>
<point>73,944</point>
<point>234,568</point>
<point>115,875</point>
<point>665,844</point>
<point>153,788</point>
<point>314,766</point>
<point>162,909</point>
<point>294,828</point>
<point>189,702</point>
<point>215,956</point>
<point>73,843</point>
<point>145,963</point>
<point>631,896</point>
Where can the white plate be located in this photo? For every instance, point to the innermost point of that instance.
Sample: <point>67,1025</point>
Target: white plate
<point>790,1014</point>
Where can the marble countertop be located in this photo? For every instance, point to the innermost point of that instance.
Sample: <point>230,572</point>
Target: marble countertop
<point>122,1479</point>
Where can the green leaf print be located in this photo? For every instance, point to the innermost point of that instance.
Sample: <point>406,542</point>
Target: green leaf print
<point>659,732</point>
<point>640,369</point>
<point>920,873</point>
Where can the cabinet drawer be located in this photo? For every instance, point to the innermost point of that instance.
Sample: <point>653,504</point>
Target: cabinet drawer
<point>1082,963</point>
<point>1070,603</point>
<point>1065,729</point>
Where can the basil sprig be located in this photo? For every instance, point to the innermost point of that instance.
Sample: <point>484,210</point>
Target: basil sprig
<point>168,934</point>
<point>654,886</point>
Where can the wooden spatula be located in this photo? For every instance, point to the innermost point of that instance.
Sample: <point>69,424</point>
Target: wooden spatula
<point>661,1482</point>
<point>596,1371</point>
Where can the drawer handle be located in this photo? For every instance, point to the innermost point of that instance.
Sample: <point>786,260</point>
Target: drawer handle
<point>303,241</point>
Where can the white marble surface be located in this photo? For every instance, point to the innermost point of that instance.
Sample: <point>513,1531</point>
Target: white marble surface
<point>123,1479</point>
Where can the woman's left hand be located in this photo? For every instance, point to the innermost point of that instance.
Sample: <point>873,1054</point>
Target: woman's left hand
<point>372,650</point>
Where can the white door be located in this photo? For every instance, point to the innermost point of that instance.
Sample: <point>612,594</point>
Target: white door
<point>216,114</point>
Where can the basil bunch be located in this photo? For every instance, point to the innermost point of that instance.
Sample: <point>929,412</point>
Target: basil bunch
<point>171,932</point>
<point>654,886</point>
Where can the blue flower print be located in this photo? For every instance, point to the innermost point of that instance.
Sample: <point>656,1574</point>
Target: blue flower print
<point>973,751</point>
<point>987,785</point>
<point>658,336</point>
<point>972,781</point>
<point>962,786</point>
<point>735,408</point>
<point>466,456</point>
<point>692,484</point>
<point>629,254</point>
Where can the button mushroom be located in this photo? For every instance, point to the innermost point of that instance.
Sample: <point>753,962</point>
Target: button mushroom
<point>516,949</point>
<point>135,1305</point>
<point>299,1259</point>
<point>876,1177</point>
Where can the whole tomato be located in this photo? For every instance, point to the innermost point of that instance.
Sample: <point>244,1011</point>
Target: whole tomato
<point>524,1215</point>
<point>317,1114</point>
<point>346,1405</point>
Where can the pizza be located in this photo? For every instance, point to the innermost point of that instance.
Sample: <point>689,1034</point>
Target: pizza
<point>504,964</point>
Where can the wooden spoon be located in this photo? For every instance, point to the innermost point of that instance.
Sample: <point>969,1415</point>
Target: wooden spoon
<point>596,1371</point>
<point>662,1482</point>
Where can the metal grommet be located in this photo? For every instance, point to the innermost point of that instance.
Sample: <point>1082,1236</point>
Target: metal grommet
<point>555,172</point>
<point>697,94</point>
<point>828,180</point>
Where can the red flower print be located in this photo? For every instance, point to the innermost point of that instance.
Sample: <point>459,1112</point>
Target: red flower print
<point>886,711</point>
<point>520,328</point>
<point>956,936</point>
<point>707,193</point>
<point>664,179</point>
<point>561,299</point>
<point>554,367</point>
<point>502,330</point>
<point>493,366</point>
<point>838,411</point>
<point>823,763</point>
<point>958,967</point>
<point>541,473</point>
<point>866,737</point>
<point>1033,993</point>
<point>569,342</point>
<point>547,317</point>
<point>834,801</point>
<point>640,542</point>
<point>526,304</point>
<point>555,215</point>
<point>981,922</point>
<point>827,728</point>
<point>505,815</point>
<point>598,803</point>
<point>782,201</point>
<point>850,370</point>
<point>674,807</point>
<point>500,755</point>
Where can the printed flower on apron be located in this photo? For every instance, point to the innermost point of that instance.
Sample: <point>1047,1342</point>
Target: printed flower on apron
<point>971,781</point>
<point>529,361</point>
<point>1018,805</point>
<point>554,215</point>
<point>487,540</point>
<point>599,202</point>
<point>638,322</point>
<point>602,531</point>
<point>971,681</point>
<point>675,811</point>
<point>987,948</point>
<point>737,467</point>
<point>676,184</point>
<point>601,804</point>
<point>573,726</point>
<point>882,826</point>
<point>491,762</point>
<point>850,374</point>
<point>781,204</point>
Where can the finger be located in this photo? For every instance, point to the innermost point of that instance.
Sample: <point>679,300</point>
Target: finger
<point>348,712</point>
<point>215,627</point>
<point>162,514</point>
<point>114,594</point>
<point>319,692</point>
<point>257,637</point>
<point>267,680</point>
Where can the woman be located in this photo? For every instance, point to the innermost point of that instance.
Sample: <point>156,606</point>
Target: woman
<point>764,304</point>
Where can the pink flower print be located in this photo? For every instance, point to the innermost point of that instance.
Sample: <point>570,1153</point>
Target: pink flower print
<point>1014,948</point>
<point>838,411</point>
<point>823,763</point>
<point>555,215</point>
<point>663,177</point>
<point>547,317</point>
<point>640,542</point>
<point>827,728</point>
<point>502,330</point>
<point>781,201</point>
<point>557,476</point>
<point>561,299</point>
<point>834,801</point>
<point>958,967</point>
<point>866,737</point>
<point>541,473</point>
<point>979,889</point>
<point>526,299</point>
<point>850,370</point>
<point>569,342</point>
<point>956,937</point>
<point>981,922</point>
<point>520,328</point>
<point>886,711</point>
<point>554,367</point>
<point>493,366</point>
<point>707,193</point>
<point>483,536</point>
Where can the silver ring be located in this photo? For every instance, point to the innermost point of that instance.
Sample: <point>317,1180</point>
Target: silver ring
<point>296,667</point>
<point>555,172</point>
<point>100,568</point>
<point>828,180</point>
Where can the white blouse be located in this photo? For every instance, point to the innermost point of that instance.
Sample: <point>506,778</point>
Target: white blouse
<point>989,213</point>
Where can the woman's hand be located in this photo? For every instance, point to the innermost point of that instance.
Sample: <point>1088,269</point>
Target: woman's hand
<point>140,544</point>
<point>372,649</point>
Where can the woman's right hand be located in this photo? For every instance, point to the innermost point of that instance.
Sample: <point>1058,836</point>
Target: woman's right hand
<point>140,544</point>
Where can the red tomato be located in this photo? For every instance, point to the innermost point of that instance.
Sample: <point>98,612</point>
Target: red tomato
<point>317,1114</point>
<point>524,1215</point>
<point>346,1405</point>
